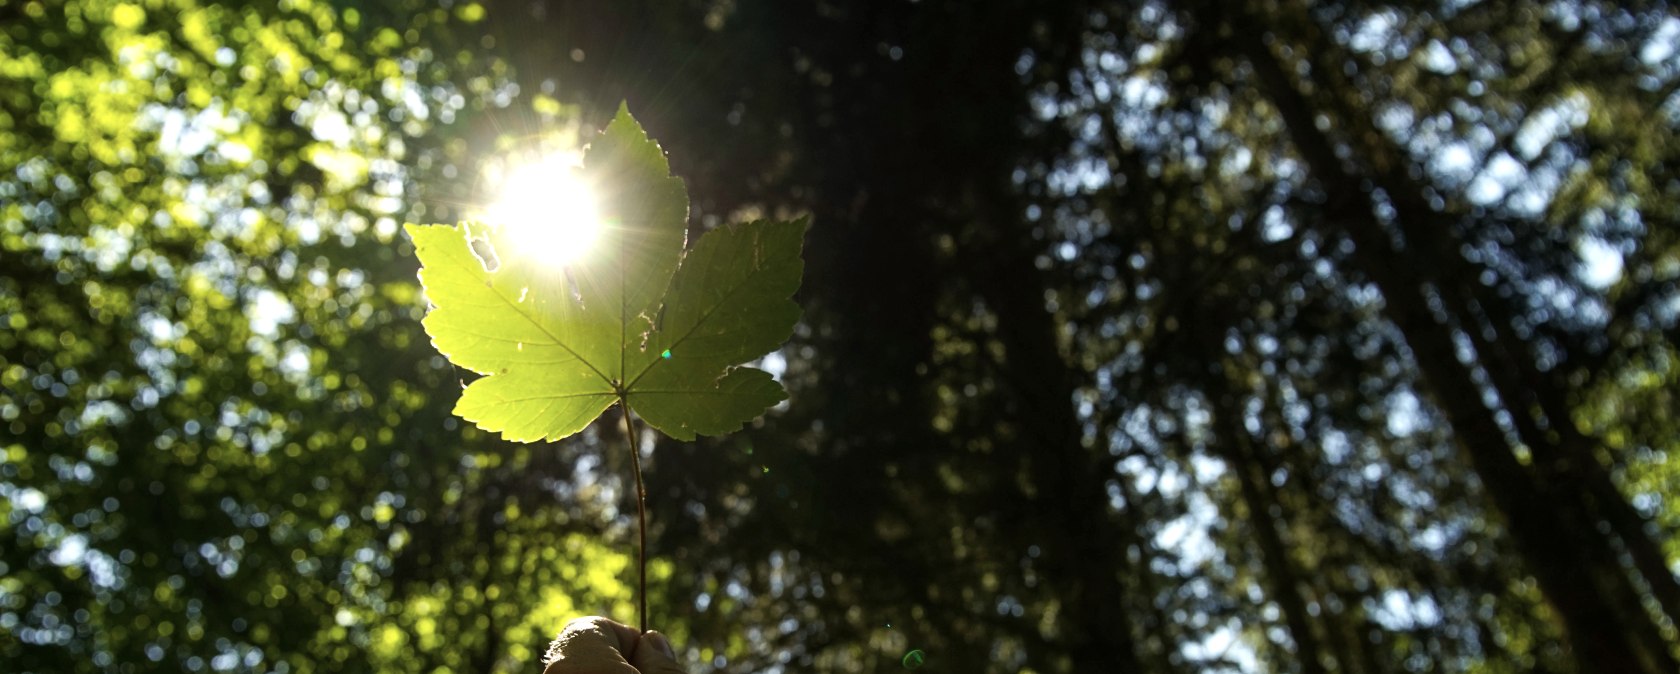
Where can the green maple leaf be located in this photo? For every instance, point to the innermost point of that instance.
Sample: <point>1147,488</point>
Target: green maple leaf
<point>637,320</point>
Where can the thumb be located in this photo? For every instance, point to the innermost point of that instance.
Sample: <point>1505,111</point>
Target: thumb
<point>654,655</point>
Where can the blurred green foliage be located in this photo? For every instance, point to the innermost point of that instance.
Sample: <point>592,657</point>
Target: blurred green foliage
<point>226,441</point>
<point>1152,386</point>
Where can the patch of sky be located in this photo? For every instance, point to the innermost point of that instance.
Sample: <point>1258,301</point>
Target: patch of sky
<point>1437,537</point>
<point>294,365</point>
<point>24,499</point>
<point>1439,59</point>
<point>407,95</point>
<point>1601,263</point>
<point>1237,162</point>
<point>36,172</point>
<point>1563,297</point>
<point>1207,469</point>
<point>1090,128</point>
<point>218,265</point>
<point>1085,175</point>
<point>232,220</point>
<point>160,329</point>
<point>141,60</point>
<point>235,151</point>
<point>1376,32</point>
<point>774,362</point>
<point>1198,421</point>
<point>1223,644</point>
<point>1543,127</point>
<point>267,311</point>
<point>1454,161</point>
<point>1274,225</point>
<point>192,200</point>
<point>1139,92</point>
<point>1399,611</point>
<point>1661,46</point>
<point>327,124</point>
<point>1501,174</point>
<point>1137,467</point>
<point>182,133</point>
<point>308,229</point>
<point>1336,447</point>
<point>70,550</point>
<point>1374,472</point>
<point>1187,536</point>
<point>1397,118</point>
<point>102,411</point>
<point>109,247</point>
<point>1066,251</point>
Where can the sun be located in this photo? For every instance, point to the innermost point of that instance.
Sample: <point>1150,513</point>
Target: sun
<point>547,210</point>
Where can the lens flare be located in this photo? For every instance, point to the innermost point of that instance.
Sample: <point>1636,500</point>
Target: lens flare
<point>548,212</point>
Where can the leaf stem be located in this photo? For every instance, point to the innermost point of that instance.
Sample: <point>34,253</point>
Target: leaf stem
<point>641,513</point>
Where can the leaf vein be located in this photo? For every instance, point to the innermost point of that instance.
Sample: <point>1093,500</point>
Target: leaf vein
<point>515,306</point>
<point>746,282</point>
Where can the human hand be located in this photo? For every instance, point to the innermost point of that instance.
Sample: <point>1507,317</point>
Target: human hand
<point>596,645</point>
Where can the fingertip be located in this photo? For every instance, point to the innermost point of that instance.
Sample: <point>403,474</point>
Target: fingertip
<point>590,644</point>
<point>624,634</point>
<point>660,642</point>
<point>656,656</point>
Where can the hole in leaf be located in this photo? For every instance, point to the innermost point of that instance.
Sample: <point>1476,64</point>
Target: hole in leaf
<point>485,253</point>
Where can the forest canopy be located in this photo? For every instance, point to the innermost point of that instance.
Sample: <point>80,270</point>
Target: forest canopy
<point>1257,336</point>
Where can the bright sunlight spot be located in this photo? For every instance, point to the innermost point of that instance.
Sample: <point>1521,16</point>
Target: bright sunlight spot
<point>547,210</point>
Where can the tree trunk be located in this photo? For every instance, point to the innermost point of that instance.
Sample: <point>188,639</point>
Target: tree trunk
<point>1556,539</point>
<point>1537,401</point>
<point>1235,445</point>
<point>1072,508</point>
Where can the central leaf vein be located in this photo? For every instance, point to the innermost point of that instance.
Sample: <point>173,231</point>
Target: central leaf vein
<point>552,337</point>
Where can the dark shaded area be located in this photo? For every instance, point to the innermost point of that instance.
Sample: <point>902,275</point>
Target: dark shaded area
<point>1270,336</point>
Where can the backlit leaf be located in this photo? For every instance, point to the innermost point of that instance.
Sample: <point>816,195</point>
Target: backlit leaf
<point>634,319</point>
